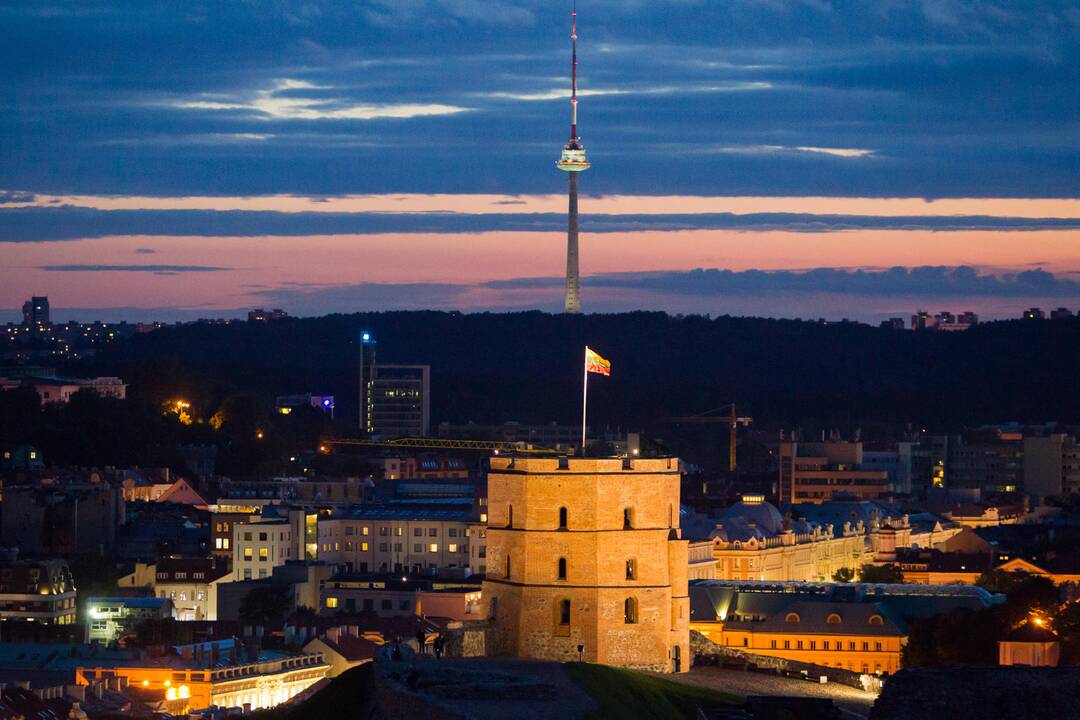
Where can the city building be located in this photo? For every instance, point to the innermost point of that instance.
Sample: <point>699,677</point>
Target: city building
<point>421,467</point>
<point>62,518</point>
<point>40,591</point>
<point>35,312</point>
<point>585,561</point>
<point>191,584</point>
<point>285,404</point>
<point>1051,465</point>
<point>392,595</point>
<point>1032,644</point>
<point>820,471</point>
<point>856,626</point>
<point>108,618</point>
<point>261,315</point>
<point>218,674</point>
<point>1061,313</point>
<point>342,649</point>
<point>397,401</point>
<point>944,321</point>
<point>380,539</point>
<point>1034,314</point>
<point>260,545</point>
<point>53,389</point>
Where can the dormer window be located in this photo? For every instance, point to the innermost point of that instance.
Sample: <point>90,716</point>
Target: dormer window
<point>791,617</point>
<point>877,620</point>
<point>833,619</point>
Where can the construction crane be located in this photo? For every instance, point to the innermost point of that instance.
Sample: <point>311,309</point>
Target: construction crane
<point>425,443</point>
<point>711,416</point>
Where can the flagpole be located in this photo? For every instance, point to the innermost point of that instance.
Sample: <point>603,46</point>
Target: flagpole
<point>584,398</point>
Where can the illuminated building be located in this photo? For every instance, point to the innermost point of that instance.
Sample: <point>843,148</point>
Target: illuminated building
<point>820,471</point>
<point>261,315</point>
<point>285,404</point>
<point>585,561</point>
<point>572,161</point>
<point>1033,644</point>
<point>398,402</point>
<point>35,313</point>
<point>107,618</point>
<point>37,591</point>
<point>855,626</point>
<point>215,674</point>
<point>393,595</point>
<point>260,545</point>
<point>191,584</point>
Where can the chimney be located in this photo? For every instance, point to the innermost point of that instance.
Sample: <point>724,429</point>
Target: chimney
<point>333,634</point>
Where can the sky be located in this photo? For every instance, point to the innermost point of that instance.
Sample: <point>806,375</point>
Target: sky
<point>786,158</point>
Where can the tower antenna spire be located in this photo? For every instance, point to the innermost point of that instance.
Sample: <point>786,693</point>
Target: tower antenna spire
<point>573,161</point>
<point>573,70</point>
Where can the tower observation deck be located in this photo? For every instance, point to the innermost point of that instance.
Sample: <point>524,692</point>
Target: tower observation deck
<point>573,161</point>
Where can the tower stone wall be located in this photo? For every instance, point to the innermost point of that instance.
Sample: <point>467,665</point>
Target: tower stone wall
<point>618,562</point>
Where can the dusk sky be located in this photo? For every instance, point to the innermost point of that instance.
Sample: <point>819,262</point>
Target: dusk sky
<point>789,158</point>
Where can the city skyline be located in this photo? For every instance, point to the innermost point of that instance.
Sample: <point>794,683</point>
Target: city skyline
<point>188,166</point>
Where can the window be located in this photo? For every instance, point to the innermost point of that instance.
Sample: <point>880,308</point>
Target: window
<point>433,547</point>
<point>403,605</point>
<point>851,646</point>
<point>383,531</point>
<point>772,644</point>
<point>399,531</point>
<point>387,605</point>
<point>262,536</point>
<point>418,547</point>
<point>561,569</point>
<point>247,536</point>
<point>262,572</point>
<point>365,530</point>
<point>452,547</point>
<point>630,611</point>
<point>833,619</point>
<point>509,516</point>
<point>248,553</point>
<point>564,612</point>
<point>876,620</point>
<point>349,530</point>
<point>627,518</point>
<point>631,569</point>
<point>825,644</point>
<point>331,602</point>
<point>792,617</point>
<point>670,516</point>
<point>264,554</point>
<point>787,644</point>
<point>798,644</point>
<point>433,532</point>
<point>507,575</point>
<point>813,645</point>
<point>877,647</point>
<point>866,646</point>
<point>418,532</point>
<point>452,532</point>
<point>562,518</point>
<point>397,547</point>
<point>383,547</point>
<point>363,547</point>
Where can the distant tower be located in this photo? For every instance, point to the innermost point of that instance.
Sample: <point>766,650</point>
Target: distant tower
<point>572,162</point>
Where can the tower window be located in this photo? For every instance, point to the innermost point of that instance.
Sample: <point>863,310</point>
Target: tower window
<point>509,516</point>
<point>562,518</point>
<point>507,567</point>
<point>562,568</point>
<point>631,569</point>
<point>630,611</point>
<point>564,612</point>
<point>627,518</point>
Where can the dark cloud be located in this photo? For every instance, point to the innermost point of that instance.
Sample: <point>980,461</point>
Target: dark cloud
<point>156,269</point>
<point>70,223</point>
<point>955,97</point>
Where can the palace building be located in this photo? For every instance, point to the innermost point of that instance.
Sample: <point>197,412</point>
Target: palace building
<point>585,561</point>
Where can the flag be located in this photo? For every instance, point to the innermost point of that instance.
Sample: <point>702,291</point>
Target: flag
<point>596,364</point>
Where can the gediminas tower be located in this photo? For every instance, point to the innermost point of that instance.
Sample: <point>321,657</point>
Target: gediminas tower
<point>585,561</point>
<point>572,161</point>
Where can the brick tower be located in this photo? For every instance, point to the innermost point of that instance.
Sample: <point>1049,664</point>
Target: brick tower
<point>585,561</point>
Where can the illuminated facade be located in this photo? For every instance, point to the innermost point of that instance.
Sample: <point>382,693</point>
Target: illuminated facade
<point>259,546</point>
<point>107,618</point>
<point>203,676</point>
<point>585,560</point>
<point>855,626</point>
<point>817,472</point>
<point>37,591</point>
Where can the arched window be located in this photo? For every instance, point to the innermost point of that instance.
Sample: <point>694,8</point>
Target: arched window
<point>627,518</point>
<point>876,620</point>
<point>509,516</point>
<point>564,612</point>
<point>562,569</point>
<point>507,567</point>
<point>670,516</point>
<point>833,619</point>
<point>792,617</point>
<point>631,569</point>
<point>562,518</point>
<point>494,606</point>
<point>630,611</point>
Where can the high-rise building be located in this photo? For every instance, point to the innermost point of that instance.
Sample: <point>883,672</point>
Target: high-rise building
<point>572,161</point>
<point>817,472</point>
<point>35,312</point>
<point>397,401</point>
<point>585,561</point>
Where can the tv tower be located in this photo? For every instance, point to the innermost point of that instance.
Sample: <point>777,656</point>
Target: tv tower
<point>572,161</point>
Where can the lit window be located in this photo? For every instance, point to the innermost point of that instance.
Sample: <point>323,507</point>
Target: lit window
<point>452,547</point>
<point>264,553</point>
<point>433,547</point>
<point>247,553</point>
<point>364,546</point>
<point>331,602</point>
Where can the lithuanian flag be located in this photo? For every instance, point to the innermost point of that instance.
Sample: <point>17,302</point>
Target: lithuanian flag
<point>596,364</point>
